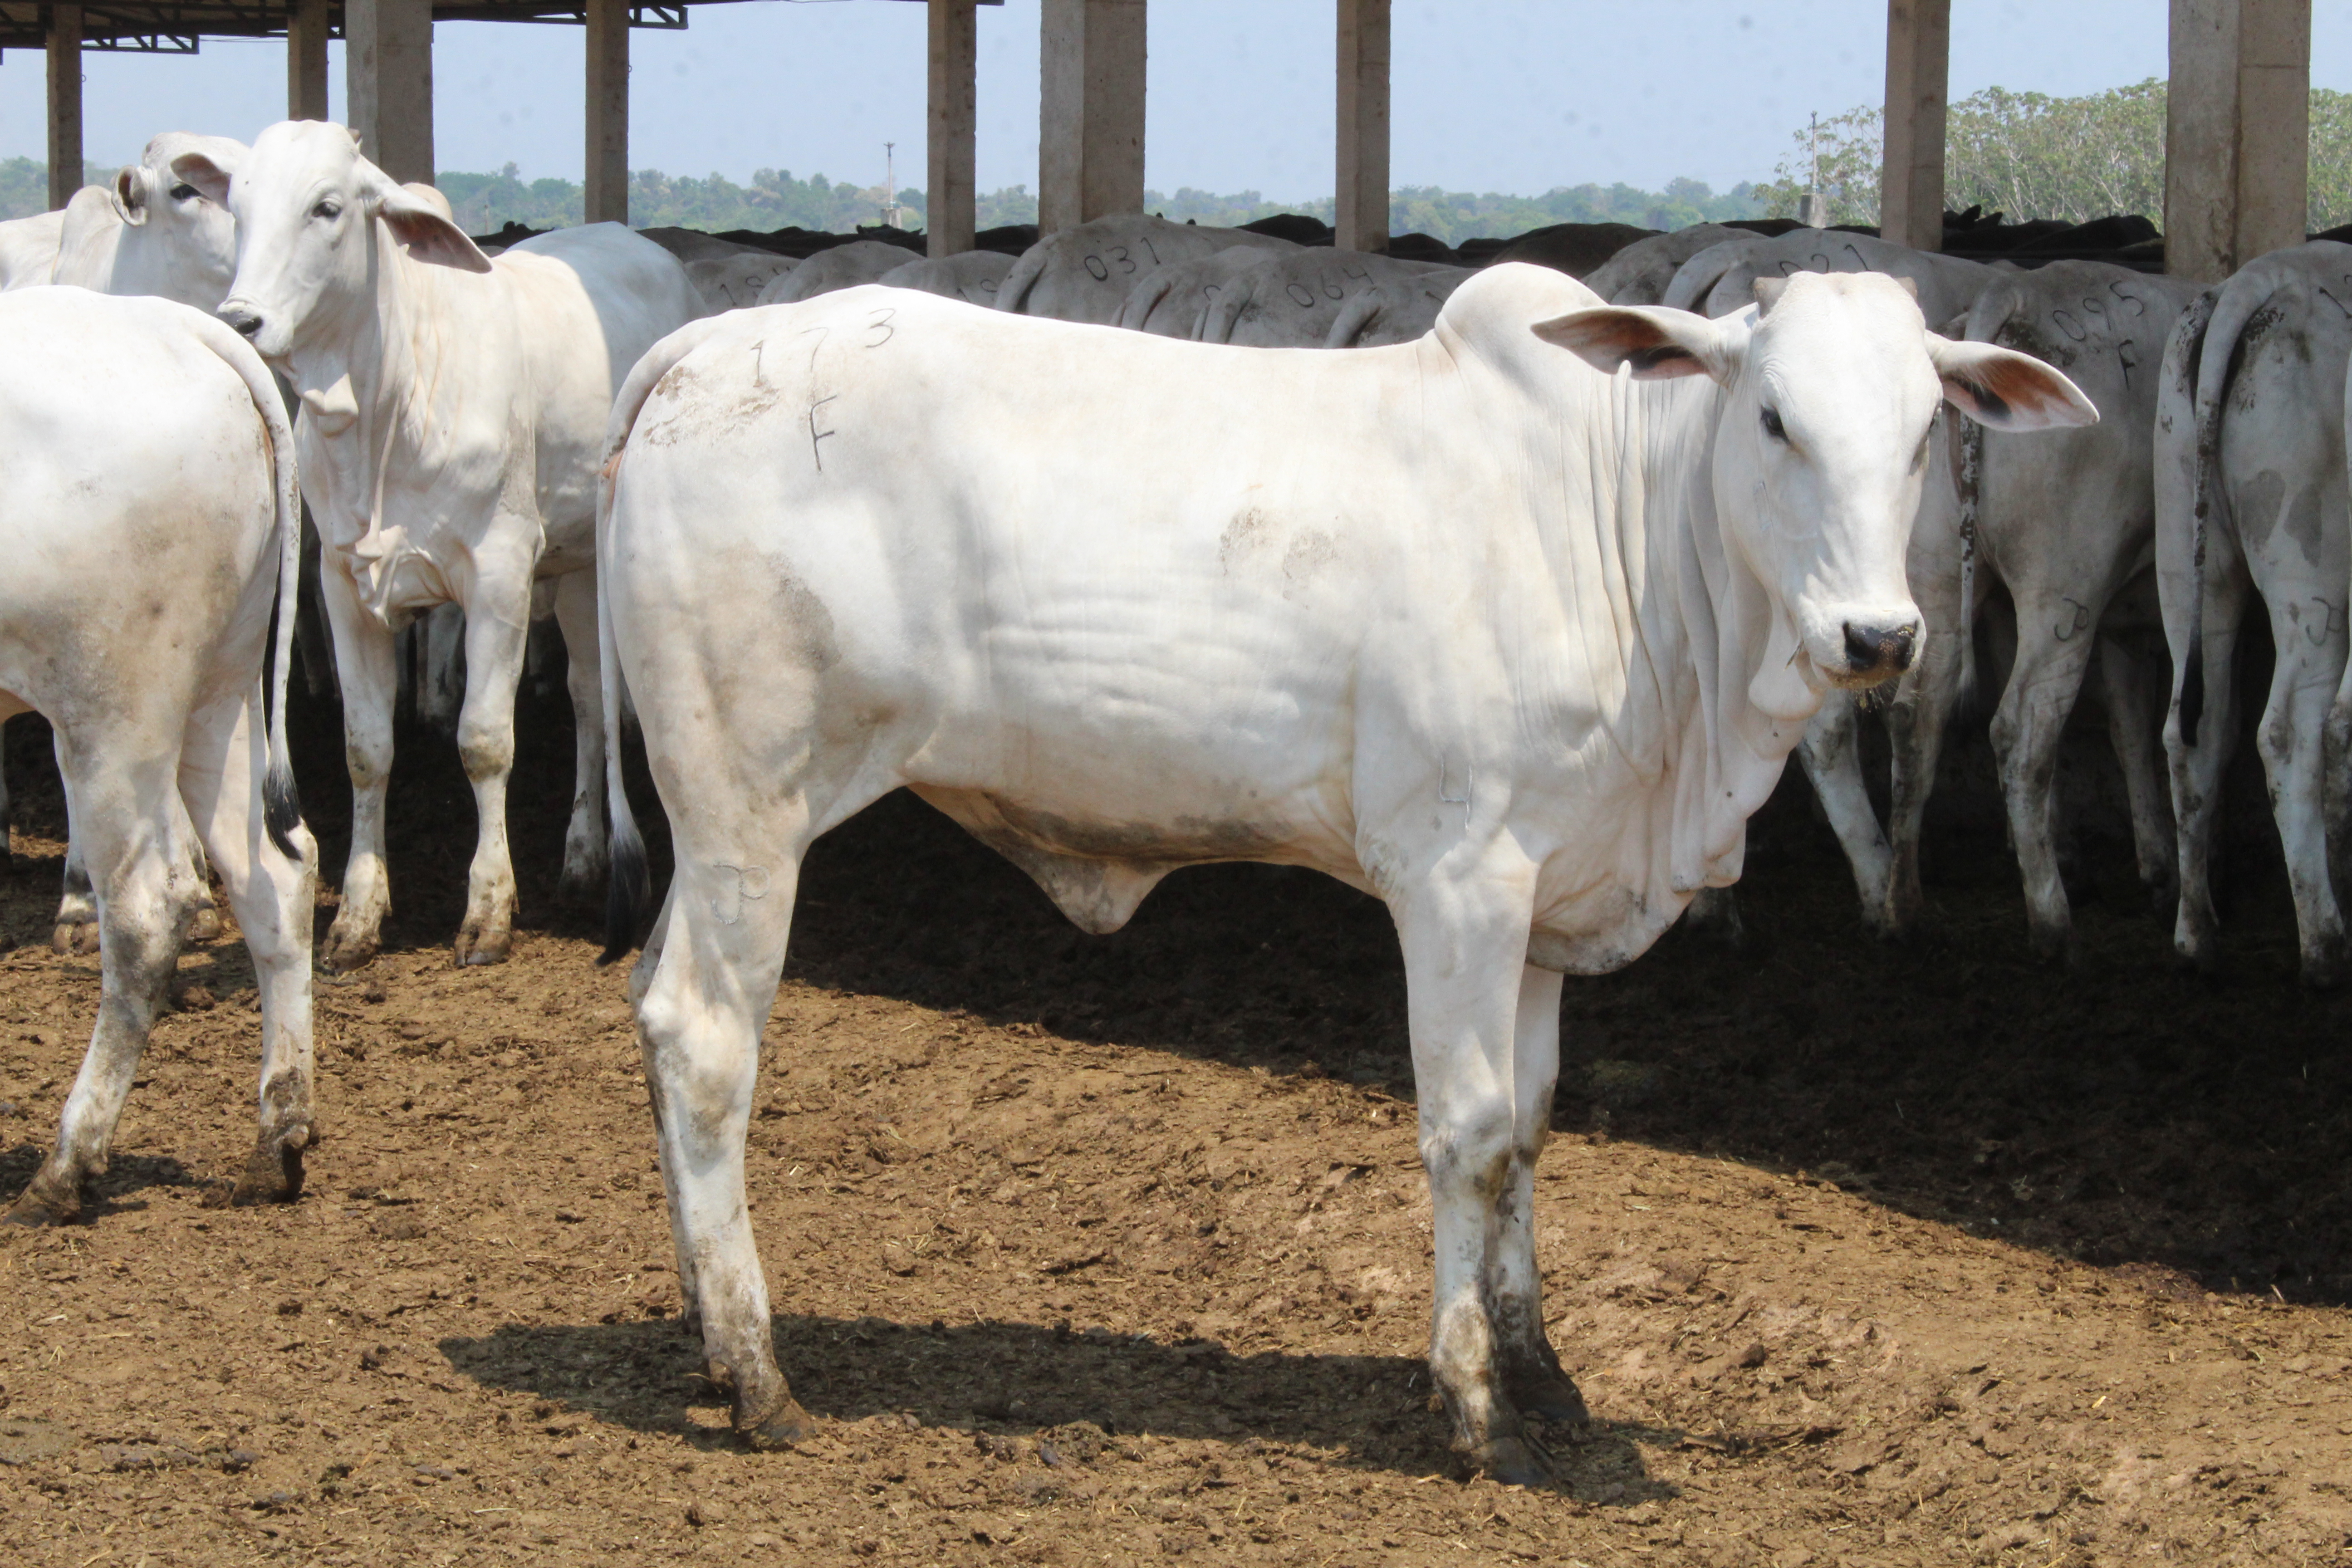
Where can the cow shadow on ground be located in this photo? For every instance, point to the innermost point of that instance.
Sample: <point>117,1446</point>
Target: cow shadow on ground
<point>120,1191</point>
<point>1037,1382</point>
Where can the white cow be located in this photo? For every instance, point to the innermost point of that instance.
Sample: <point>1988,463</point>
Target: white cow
<point>1297,299</point>
<point>843,267</point>
<point>1508,641</point>
<point>1721,278</point>
<point>135,614</point>
<point>28,249</point>
<point>452,410</point>
<point>734,279</point>
<point>2251,494</point>
<point>1639,274</point>
<point>1174,300</point>
<point>151,232</point>
<point>1085,274</point>
<point>972,276</point>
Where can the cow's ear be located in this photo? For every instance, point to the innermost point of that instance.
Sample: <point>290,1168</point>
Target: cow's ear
<point>428,234</point>
<point>208,176</point>
<point>2001,389</point>
<point>1657,343</point>
<point>130,187</point>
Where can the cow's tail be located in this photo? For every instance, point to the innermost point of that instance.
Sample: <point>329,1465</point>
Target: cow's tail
<point>1982,324</point>
<point>1696,279</point>
<point>2211,364</point>
<point>626,895</point>
<point>1013,294</point>
<point>281,807</point>
<point>1137,308</point>
<point>1355,319</point>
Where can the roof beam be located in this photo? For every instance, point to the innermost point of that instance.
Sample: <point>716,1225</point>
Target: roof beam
<point>65,104</point>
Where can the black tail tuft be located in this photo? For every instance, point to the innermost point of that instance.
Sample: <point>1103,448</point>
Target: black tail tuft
<point>624,897</point>
<point>2193,688</point>
<point>281,809</point>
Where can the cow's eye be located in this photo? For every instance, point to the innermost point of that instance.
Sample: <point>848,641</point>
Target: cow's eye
<point>183,192</point>
<point>1772,426</point>
<point>327,209</point>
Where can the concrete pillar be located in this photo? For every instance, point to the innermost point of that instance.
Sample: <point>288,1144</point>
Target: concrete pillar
<point>388,67</point>
<point>607,193</point>
<point>2237,132</point>
<point>306,60</point>
<point>1362,218</point>
<point>1090,146</point>
<point>949,215</point>
<point>65,103</point>
<point>1918,66</point>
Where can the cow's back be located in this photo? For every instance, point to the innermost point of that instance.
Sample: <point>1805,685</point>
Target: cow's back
<point>28,249</point>
<point>164,529</point>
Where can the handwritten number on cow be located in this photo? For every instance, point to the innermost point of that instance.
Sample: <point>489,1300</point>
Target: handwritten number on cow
<point>2126,356</point>
<point>1300,294</point>
<point>1095,266</point>
<point>1150,249</point>
<point>880,322</point>
<point>822,334</point>
<point>2138,306</point>
<point>815,435</point>
<point>1125,258</point>
<point>2071,625</point>
<point>2070,324</point>
<point>2336,302</point>
<point>2325,624</point>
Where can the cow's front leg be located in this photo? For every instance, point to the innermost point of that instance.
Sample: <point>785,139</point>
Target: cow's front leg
<point>498,626</point>
<point>1465,952</point>
<point>1532,1374</point>
<point>1831,754</point>
<point>585,856</point>
<point>370,677</point>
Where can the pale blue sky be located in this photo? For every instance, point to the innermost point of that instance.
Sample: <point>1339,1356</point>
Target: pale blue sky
<point>1502,95</point>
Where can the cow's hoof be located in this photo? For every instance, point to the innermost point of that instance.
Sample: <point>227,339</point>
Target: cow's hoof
<point>2322,972</point>
<point>44,1203</point>
<point>1551,1397</point>
<point>205,925</point>
<point>273,1174</point>
<point>343,952</point>
<point>77,939</point>
<point>2054,944</point>
<point>582,885</point>
<point>787,1426</point>
<point>1513,1462</point>
<point>483,944</point>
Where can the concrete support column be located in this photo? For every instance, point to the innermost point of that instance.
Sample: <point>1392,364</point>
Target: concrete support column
<point>1090,146</point>
<point>388,67</point>
<point>2237,133</point>
<point>951,216</point>
<point>1918,66</point>
<point>65,104</point>
<point>306,60</point>
<point>1362,218</point>
<point>607,193</point>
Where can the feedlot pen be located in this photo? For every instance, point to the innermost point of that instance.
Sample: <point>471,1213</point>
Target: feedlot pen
<point>1092,1250</point>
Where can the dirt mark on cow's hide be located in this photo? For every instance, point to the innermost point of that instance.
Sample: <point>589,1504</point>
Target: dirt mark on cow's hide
<point>1118,1250</point>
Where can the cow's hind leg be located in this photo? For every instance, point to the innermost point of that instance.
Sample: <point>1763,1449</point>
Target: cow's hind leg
<point>704,1006</point>
<point>2056,637</point>
<point>2135,700</point>
<point>498,624</point>
<point>2291,739</point>
<point>2197,769</point>
<point>365,665</point>
<point>125,818</point>
<point>1532,1374</point>
<point>272,894</point>
<point>1464,946</point>
<point>585,857</point>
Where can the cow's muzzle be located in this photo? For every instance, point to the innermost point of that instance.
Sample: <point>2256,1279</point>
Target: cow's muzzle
<point>242,319</point>
<point>1878,653</point>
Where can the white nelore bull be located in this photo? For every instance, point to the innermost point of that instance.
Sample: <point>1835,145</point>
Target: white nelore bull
<point>1086,274</point>
<point>134,614</point>
<point>1509,642</point>
<point>151,232</point>
<point>2251,494</point>
<point>454,409</point>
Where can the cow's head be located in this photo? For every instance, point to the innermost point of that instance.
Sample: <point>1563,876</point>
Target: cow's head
<point>1832,385</point>
<point>309,209</point>
<point>176,241</point>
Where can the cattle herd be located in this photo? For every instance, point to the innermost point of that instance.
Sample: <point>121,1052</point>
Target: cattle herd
<point>1507,614</point>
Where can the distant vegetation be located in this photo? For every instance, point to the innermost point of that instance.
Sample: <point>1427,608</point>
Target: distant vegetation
<point>25,184</point>
<point>2029,155</point>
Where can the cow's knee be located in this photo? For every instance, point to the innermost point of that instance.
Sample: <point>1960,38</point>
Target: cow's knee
<point>487,749</point>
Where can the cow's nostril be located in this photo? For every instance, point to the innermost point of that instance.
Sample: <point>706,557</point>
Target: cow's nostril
<point>241,320</point>
<point>1870,648</point>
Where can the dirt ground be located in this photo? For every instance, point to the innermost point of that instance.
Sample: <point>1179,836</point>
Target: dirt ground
<point>1099,1250</point>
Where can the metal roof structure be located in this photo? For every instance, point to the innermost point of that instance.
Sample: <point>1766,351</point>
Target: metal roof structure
<point>179,26</point>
